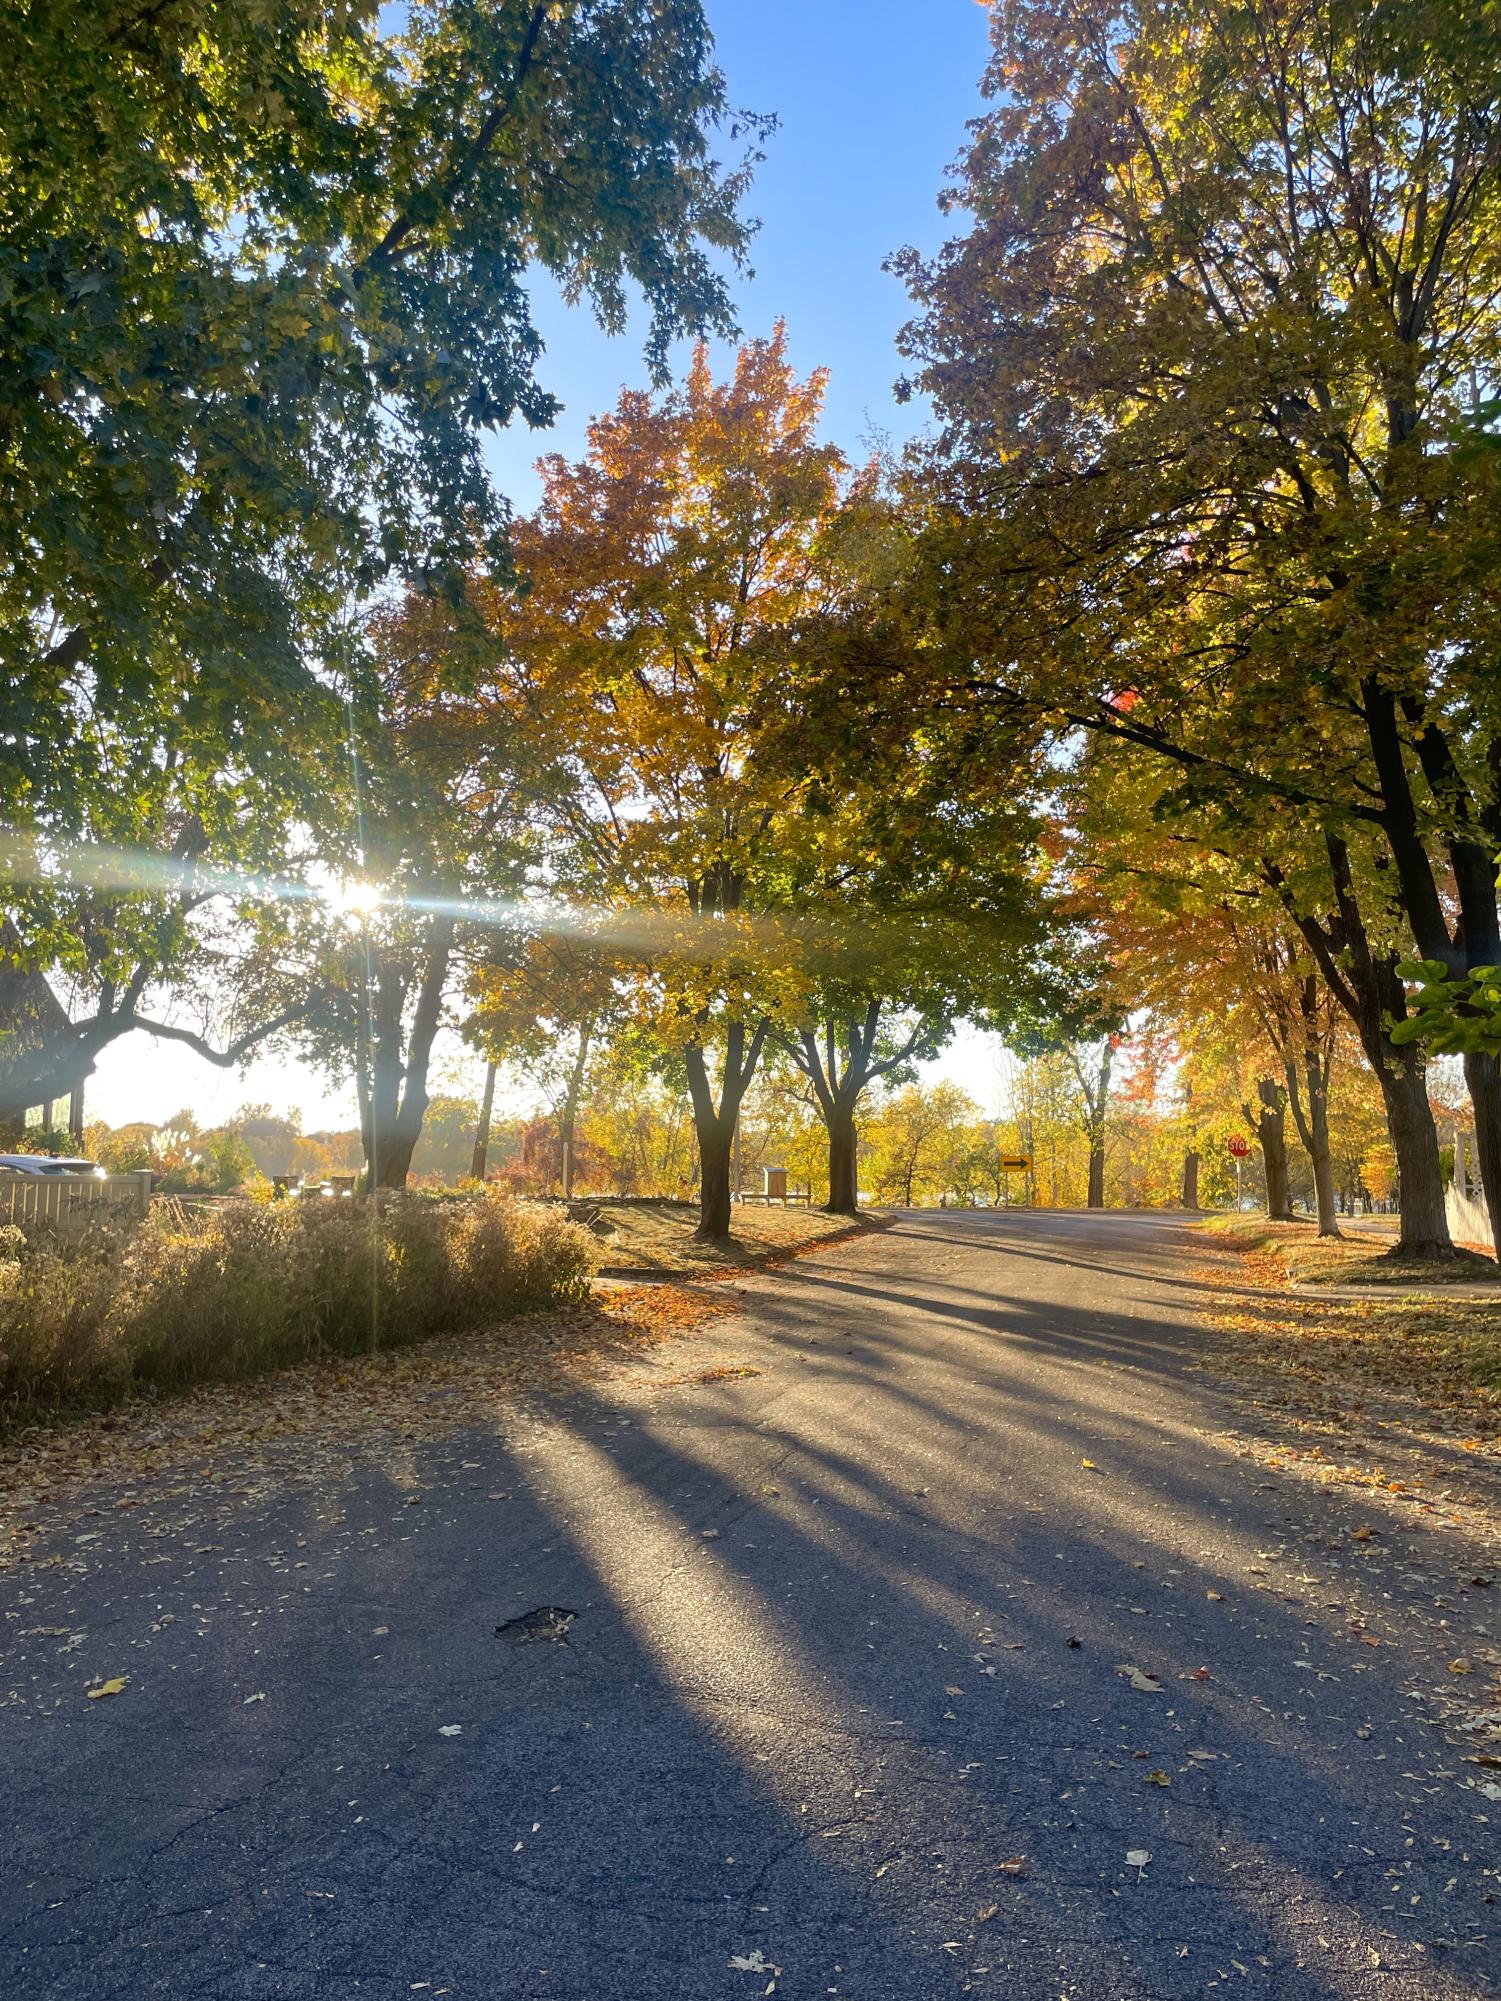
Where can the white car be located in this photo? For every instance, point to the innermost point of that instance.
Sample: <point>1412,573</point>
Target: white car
<point>44,1164</point>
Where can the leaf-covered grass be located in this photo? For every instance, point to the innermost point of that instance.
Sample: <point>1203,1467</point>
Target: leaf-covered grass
<point>1313,1260</point>
<point>658,1236</point>
<point>212,1296</point>
<point>1443,1355</point>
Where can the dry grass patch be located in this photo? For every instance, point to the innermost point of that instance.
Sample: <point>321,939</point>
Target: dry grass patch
<point>658,1236</point>
<point>218,1446</point>
<point>211,1296</point>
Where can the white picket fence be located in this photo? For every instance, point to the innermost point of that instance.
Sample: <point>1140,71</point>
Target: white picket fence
<point>71,1204</point>
<point>1469,1218</point>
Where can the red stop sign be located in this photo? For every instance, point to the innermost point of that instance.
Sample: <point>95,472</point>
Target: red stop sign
<point>1240,1146</point>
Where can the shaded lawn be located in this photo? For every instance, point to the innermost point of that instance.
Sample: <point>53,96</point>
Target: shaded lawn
<point>1441,1355</point>
<point>658,1236</point>
<point>1309,1259</point>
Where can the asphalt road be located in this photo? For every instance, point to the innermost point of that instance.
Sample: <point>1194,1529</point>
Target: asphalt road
<point>841,1708</point>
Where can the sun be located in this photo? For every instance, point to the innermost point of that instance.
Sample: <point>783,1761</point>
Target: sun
<point>358,899</point>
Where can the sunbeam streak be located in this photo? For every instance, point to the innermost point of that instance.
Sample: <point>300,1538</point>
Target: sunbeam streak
<point>26,860</point>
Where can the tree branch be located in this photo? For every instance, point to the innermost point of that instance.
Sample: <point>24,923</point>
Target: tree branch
<point>224,1058</point>
<point>385,251</point>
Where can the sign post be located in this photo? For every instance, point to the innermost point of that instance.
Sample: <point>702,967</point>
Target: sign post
<point>1240,1146</point>
<point>1012,1163</point>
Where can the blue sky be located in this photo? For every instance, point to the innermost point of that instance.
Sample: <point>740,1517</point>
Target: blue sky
<point>872,101</point>
<point>872,97</point>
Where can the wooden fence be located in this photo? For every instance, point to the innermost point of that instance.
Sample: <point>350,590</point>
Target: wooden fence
<point>72,1203</point>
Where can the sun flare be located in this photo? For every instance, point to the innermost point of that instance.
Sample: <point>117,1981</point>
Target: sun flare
<point>358,899</point>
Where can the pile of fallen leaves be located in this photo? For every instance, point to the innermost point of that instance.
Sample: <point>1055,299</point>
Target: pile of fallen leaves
<point>236,1436</point>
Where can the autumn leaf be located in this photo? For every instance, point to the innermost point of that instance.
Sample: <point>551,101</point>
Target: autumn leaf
<point>752,1962</point>
<point>1147,1683</point>
<point>113,1686</point>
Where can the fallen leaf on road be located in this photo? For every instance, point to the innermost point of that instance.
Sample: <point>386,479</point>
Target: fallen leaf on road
<point>1089,1466</point>
<point>450,1729</point>
<point>1216,1597</point>
<point>984,1915</point>
<point>1014,1865</point>
<point>1147,1683</point>
<point>111,1687</point>
<point>1138,1858</point>
<point>751,1962</point>
<point>259,1696</point>
<point>1158,1779</point>
<point>1461,1666</point>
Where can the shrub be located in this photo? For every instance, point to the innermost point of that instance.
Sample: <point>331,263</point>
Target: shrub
<point>200,1295</point>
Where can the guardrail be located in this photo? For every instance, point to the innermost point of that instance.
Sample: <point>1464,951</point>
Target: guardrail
<point>72,1203</point>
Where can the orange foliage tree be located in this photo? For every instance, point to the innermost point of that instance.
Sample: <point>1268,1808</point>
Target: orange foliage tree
<point>671,577</point>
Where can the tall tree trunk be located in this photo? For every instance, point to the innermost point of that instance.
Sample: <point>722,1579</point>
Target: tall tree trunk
<point>1367,987</point>
<point>1096,1092</point>
<point>1483,1075</point>
<point>478,1160</point>
<point>1472,830</point>
<point>397,1100</point>
<point>1414,1137</point>
<point>714,1125</point>
<point>844,1194</point>
<point>1191,1179</point>
<point>568,1124</point>
<point>1271,1133</point>
<point>715,1209</point>
<point>1318,1150</point>
<point>838,1091</point>
<point>1309,1099</point>
<point>393,1158</point>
